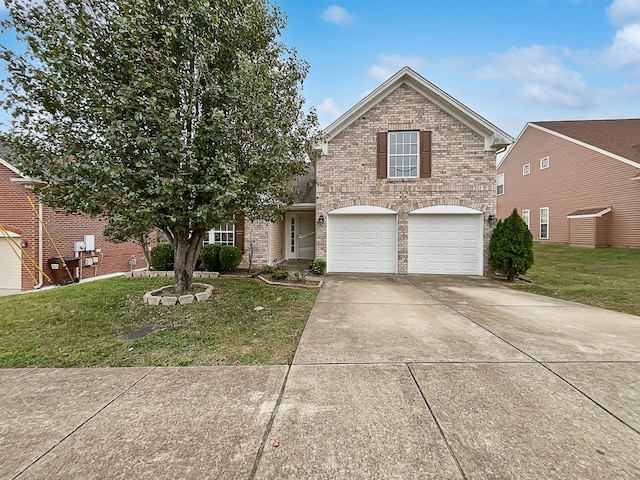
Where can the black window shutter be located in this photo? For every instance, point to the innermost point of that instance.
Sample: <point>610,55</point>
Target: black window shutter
<point>382,155</point>
<point>425,154</point>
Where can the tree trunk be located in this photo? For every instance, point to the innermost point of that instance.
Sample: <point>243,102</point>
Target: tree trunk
<point>144,243</point>
<point>186,247</point>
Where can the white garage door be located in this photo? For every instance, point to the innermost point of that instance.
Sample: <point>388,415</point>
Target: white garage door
<point>10,267</point>
<point>362,243</point>
<point>441,243</point>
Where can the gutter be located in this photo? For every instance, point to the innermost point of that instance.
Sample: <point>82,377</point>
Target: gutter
<point>40,253</point>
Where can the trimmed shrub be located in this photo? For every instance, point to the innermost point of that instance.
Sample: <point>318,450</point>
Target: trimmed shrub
<point>511,247</point>
<point>210,257</point>
<point>162,257</point>
<point>280,274</point>
<point>230,257</point>
<point>319,266</point>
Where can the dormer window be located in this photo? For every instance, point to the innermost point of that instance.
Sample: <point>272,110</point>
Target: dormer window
<point>526,169</point>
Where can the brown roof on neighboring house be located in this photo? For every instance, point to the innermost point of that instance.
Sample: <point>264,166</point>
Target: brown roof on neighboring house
<point>590,212</point>
<point>621,136</point>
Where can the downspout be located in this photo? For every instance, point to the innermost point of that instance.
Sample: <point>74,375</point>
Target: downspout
<point>40,255</point>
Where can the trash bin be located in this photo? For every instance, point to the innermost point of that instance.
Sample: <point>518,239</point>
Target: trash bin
<point>59,273</point>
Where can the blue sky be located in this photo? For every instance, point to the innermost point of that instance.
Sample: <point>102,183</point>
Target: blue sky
<point>511,61</point>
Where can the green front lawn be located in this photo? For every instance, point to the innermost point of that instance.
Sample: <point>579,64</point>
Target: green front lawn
<point>602,277</point>
<point>82,325</point>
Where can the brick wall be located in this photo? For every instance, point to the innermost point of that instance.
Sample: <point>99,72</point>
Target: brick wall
<point>463,173</point>
<point>17,215</point>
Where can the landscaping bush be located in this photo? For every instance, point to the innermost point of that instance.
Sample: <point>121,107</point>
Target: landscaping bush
<point>162,257</point>
<point>511,247</point>
<point>210,257</point>
<point>280,274</point>
<point>319,266</point>
<point>230,257</point>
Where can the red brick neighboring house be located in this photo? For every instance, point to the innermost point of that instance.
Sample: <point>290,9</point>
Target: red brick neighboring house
<point>575,182</point>
<point>68,233</point>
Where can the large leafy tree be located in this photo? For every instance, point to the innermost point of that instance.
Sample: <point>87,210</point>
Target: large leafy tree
<point>175,114</point>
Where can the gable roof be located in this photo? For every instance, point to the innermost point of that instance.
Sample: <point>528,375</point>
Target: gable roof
<point>619,139</point>
<point>22,178</point>
<point>494,138</point>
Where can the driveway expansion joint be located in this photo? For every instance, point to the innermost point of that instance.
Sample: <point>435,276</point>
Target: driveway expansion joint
<point>435,420</point>
<point>83,423</point>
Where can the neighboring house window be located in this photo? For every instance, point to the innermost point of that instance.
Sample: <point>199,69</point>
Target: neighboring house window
<point>500,184</point>
<point>526,169</point>
<point>404,154</point>
<point>526,217</point>
<point>544,223</point>
<point>223,234</point>
<point>544,163</point>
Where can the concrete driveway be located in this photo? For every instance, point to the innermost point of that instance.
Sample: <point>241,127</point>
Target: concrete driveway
<point>395,377</point>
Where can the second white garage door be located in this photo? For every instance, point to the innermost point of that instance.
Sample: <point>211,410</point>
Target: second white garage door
<point>446,243</point>
<point>10,265</point>
<point>362,243</point>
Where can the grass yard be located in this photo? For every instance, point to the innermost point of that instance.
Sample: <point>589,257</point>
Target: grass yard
<point>81,325</point>
<point>602,277</point>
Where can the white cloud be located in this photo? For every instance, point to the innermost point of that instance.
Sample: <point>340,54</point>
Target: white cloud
<point>625,50</point>
<point>327,111</point>
<point>624,12</point>
<point>338,15</point>
<point>543,78</point>
<point>389,64</point>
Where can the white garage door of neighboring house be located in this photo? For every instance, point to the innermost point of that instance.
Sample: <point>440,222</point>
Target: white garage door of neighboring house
<point>446,240</point>
<point>10,266</point>
<point>362,239</point>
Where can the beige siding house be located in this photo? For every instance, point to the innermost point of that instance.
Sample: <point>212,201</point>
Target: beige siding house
<point>405,183</point>
<point>575,182</point>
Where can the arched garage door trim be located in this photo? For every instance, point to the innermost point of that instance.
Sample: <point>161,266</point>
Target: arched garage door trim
<point>446,239</point>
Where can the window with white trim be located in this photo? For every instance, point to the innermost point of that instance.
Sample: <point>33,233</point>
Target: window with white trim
<point>500,184</point>
<point>526,216</point>
<point>526,169</point>
<point>544,223</point>
<point>403,154</point>
<point>544,163</point>
<point>222,234</point>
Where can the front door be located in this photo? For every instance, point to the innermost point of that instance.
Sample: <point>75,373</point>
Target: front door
<point>301,236</point>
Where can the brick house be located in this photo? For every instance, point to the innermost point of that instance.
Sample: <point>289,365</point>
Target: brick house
<point>405,183</point>
<point>70,233</point>
<point>575,182</point>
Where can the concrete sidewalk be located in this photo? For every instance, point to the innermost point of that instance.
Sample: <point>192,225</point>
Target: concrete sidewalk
<point>395,377</point>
